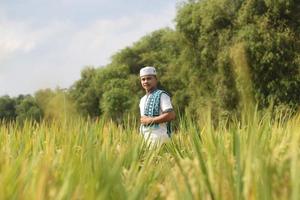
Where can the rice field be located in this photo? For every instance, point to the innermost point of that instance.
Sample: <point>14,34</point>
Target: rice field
<point>254,158</point>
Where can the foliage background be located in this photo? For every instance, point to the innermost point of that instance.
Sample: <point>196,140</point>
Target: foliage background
<point>223,55</point>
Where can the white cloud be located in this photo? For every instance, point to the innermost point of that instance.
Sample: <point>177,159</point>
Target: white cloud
<point>101,39</point>
<point>34,56</point>
<point>14,38</point>
<point>22,37</point>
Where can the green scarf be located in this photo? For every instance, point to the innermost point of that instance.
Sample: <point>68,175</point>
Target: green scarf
<point>152,108</point>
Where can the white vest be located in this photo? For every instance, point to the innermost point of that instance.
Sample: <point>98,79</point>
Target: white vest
<point>156,134</point>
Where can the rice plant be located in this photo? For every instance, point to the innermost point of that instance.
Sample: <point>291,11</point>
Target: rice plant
<point>253,158</point>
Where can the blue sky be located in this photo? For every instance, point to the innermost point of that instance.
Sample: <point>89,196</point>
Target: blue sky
<point>46,43</point>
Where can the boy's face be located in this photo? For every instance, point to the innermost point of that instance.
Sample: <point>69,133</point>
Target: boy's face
<point>149,82</point>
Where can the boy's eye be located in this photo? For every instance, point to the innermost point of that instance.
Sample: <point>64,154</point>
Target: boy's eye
<point>148,79</point>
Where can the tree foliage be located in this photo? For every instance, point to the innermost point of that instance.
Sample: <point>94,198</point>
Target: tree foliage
<point>7,108</point>
<point>83,93</point>
<point>222,54</point>
<point>28,109</point>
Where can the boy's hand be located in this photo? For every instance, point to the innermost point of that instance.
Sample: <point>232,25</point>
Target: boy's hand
<point>147,120</point>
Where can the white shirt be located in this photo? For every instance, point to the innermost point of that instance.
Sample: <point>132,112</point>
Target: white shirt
<point>159,133</point>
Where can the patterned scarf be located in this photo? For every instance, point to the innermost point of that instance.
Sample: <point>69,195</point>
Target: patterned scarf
<point>152,108</point>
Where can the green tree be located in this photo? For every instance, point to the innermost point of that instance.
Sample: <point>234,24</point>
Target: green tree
<point>118,99</point>
<point>28,109</point>
<point>222,55</point>
<point>43,97</point>
<point>272,43</point>
<point>7,108</point>
<point>83,93</point>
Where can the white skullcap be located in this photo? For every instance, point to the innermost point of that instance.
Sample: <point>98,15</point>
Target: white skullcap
<point>147,71</point>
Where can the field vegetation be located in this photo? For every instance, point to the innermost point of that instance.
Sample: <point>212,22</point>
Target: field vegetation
<point>255,158</point>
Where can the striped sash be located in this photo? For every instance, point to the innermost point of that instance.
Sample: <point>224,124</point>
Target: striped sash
<point>152,108</point>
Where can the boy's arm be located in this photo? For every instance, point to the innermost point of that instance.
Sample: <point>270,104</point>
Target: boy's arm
<point>164,117</point>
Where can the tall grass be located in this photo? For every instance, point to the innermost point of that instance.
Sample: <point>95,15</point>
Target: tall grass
<point>255,158</point>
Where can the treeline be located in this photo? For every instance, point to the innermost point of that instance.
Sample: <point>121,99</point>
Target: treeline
<point>223,55</point>
<point>46,104</point>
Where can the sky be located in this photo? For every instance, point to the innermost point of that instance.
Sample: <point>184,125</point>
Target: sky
<point>47,43</point>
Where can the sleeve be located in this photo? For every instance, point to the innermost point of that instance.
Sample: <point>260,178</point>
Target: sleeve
<point>165,103</point>
<point>141,106</point>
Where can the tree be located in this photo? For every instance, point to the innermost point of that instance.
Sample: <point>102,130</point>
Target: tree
<point>83,93</point>
<point>115,104</point>
<point>272,43</point>
<point>43,97</point>
<point>28,109</point>
<point>7,108</point>
<point>222,55</point>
